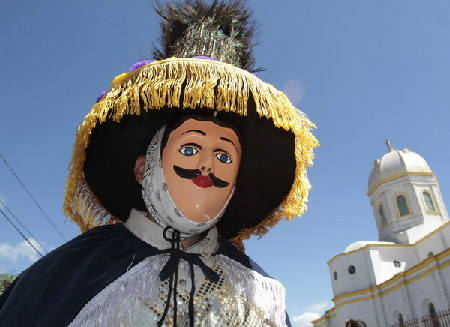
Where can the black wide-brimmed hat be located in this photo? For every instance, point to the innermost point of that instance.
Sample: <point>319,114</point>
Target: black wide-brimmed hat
<point>277,141</point>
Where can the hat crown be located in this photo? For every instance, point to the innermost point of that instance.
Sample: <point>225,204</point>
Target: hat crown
<point>101,188</point>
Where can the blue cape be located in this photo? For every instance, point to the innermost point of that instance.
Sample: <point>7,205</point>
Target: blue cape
<point>54,289</point>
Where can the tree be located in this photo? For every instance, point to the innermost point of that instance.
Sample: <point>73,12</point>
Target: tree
<point>5,280</point>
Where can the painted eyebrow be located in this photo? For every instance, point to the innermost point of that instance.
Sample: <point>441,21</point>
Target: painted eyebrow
<point>196,131</point>
<point>228,140</point>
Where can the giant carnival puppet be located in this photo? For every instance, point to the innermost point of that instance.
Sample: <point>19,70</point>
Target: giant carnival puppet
<point>182,159</point>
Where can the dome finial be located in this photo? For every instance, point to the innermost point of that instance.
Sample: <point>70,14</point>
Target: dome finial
<point>388,143</point>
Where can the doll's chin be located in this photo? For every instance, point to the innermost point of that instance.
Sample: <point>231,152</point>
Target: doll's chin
<point>199,217</point>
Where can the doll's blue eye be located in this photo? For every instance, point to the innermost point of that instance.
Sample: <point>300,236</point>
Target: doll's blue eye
<point>188,151</point>
<point>224,158</point>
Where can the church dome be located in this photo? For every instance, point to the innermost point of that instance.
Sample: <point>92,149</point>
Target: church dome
<point>396,162</point>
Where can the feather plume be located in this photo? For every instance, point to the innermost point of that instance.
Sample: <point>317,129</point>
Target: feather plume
<point>221,30</point>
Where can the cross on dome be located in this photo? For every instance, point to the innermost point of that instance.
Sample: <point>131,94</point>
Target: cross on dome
<point>388,143</point>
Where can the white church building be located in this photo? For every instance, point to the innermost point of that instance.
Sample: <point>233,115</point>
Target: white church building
<point>404,278</point>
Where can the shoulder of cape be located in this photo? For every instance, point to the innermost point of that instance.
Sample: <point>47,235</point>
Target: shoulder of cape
<point>56,287</point>
<point>228,249</point>
<point>267,290</point>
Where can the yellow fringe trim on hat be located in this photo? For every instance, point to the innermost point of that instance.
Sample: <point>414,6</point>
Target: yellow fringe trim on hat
<point>198,83</point>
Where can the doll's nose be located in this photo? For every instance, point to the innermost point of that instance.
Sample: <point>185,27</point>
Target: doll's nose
<point>206,164</point>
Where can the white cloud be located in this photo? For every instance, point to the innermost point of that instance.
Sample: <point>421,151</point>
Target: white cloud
<point>22,250</point>
<point>320,307</point>
<point>314,312</point>
<point>304,320</point>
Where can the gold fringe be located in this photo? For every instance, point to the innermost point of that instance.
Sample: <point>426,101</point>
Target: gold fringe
<point>208,84</point>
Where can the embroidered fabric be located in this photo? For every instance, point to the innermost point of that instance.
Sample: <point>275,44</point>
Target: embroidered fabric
<point>116,305</point>
<point>152,233</point>
<point>265,293</point>
<point>242,297</point>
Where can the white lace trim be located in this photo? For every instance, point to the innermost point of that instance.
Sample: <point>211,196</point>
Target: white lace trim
<point>266,293</point>
<point>117,304</point>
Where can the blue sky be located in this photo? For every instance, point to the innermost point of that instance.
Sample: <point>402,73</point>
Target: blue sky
<point>362,70</point>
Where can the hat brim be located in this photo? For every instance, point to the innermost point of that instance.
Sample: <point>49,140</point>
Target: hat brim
<point>265,177</point>
<point>278,143</point>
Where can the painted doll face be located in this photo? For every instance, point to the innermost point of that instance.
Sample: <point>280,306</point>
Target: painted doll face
<point>200,165</point>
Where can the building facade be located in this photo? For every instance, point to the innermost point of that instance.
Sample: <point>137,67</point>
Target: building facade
<point>404,278</point>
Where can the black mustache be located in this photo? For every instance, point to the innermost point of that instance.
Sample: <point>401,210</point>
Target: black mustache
<point>192,173</point>
<point>187,173</point>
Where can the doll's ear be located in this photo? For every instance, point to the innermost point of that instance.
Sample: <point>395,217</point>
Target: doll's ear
<point>139,169</point>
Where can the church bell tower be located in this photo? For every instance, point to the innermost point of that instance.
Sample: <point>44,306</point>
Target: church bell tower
<point>405,197</point>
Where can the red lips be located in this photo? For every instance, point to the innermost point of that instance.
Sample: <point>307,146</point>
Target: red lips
<point>202,181</point>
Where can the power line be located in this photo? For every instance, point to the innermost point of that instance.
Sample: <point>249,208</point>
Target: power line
<point>26,239</point>
<point>21,224</point>
<point>32,197</point>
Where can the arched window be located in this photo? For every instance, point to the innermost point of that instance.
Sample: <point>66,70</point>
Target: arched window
<point>335,275</point>
<point>431,309</point>
<point>429,205</point>
<point>433,315</point>
<point>382,215</point>
<point>402,205</point>
<point>400,320</point>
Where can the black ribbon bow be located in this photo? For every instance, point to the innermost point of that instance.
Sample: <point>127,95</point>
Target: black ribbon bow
<point>170,271</point>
